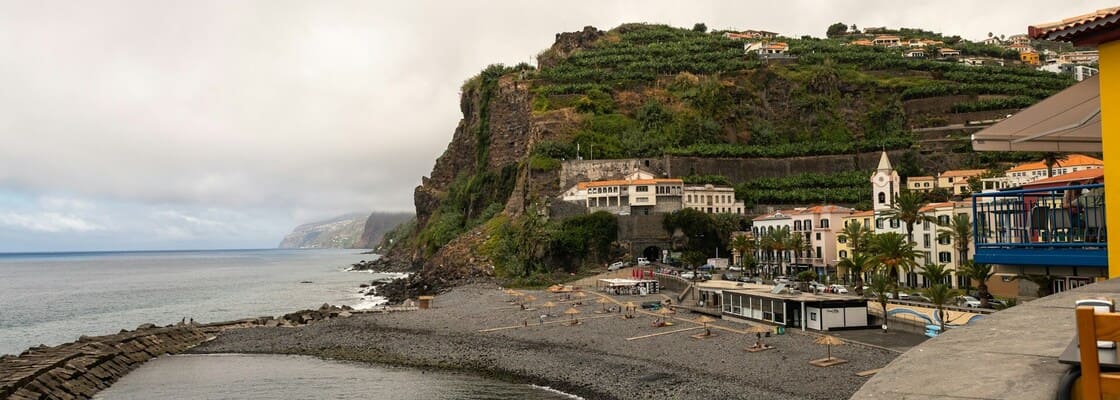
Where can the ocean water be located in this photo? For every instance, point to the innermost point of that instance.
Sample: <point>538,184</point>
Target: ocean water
<point>243,376</point>
<point>54,298</point>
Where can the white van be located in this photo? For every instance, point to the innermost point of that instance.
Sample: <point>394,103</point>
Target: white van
<point>643,261</point>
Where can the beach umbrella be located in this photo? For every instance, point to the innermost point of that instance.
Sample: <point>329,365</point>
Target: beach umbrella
<point>529,300</point>
<point>604,301</point>
<point>630,307</point>
<point>549,305</point>
<point>705,320</point>
<point>512,294</point>
<point>572,311</point>
<point>828,341</point>
<point>758,330</point>
<point>666,311</point>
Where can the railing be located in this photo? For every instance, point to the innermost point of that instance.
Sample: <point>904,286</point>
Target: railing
<point>1048,226</point>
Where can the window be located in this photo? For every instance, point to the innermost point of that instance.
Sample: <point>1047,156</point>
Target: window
<point>818,251</point>
<point>878,223</point>
<point>808,224</point>
<point>925,184</point>
<point>943,239</point>
<point>943,220</point>
<point>882,197</point>
<point>925,240</point>
<point>796,225</point>
<point>824,223</point>
<point>843,254</point>
<point>944,257</point>
<point>925,225</point>
<point>641,189</point>
<point>842,239</point>
<point>894,223</point>
<point>818,236</point>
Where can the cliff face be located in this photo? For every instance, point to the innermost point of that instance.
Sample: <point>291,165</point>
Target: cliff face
<point>342,232</point>
<point>376,225</point>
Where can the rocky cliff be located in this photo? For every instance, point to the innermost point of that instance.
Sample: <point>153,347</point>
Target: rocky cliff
<point>694,104</point>
<point>377,225</point>
<point>341,232</point>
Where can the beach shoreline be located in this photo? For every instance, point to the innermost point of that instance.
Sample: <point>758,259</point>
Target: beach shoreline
<point>474,329</point>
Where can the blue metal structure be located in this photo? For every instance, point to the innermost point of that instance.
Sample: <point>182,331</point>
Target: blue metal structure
<point>1055,226</point>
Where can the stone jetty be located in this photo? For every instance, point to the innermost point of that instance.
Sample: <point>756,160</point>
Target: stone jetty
<point>79,369</point>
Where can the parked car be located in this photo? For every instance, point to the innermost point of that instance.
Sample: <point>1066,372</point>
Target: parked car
<point>706,276</point>
<point>735,268</point>
<point>688,275</point>
<point>920,297</point>
<point>652,305</point>
<point>745,278</point>
<point>967,302</point>
<point>616,266</point>
<point>643,261</point>
<point>838,289</point>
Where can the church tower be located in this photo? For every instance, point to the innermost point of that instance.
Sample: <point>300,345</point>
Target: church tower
<point>885,185</point>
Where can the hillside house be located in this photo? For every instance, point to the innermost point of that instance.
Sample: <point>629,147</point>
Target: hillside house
<point>1079,57</point>
<point>915,53</point>
<point>956,181</point>
<point>1030,57</point>
<point>887,40</point>
<point>750,35</point>
<point>921,183</point>
<point>861,42</point>
<point>992,41</point>
<point>948,52</point>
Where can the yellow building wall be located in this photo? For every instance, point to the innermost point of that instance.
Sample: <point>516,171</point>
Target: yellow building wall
<point>1110,123</point>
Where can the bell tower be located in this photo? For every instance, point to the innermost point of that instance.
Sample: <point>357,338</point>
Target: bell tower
<point>885,185</point>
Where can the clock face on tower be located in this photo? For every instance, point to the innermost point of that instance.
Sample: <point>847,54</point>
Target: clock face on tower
<point>881,179</point>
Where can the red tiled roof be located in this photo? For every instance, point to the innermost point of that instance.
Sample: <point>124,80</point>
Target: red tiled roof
<point>867,213</point>
<point>962,172</point>
<point>1072,160</point>
<point>1088,174</point>
<point>1077,28</point>
<point>623,182</point>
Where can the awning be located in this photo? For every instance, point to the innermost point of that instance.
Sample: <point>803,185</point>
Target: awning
<point>1069,121</point>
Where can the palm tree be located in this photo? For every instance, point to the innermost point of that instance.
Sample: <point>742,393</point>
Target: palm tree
<point>894,253</point>
<point>959,231</point>
<point>1050,159</point>
<point>935,273</point>
<point>797,243</point>
<point>981,273</point>
<point>939,294</point>
<point>856,235</point>
<point>908,209</point>
<point>880,286</point>
<point>745,246</point>
<point>856,265</point>
<point>779,242</point>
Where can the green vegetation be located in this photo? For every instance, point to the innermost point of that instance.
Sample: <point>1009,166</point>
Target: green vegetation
<point>843,187</point>
<point>399,236</point>
<point>531,251</point>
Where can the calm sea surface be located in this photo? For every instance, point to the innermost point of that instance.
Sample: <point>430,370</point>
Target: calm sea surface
<point>242,376</point>
<point>54,298</point>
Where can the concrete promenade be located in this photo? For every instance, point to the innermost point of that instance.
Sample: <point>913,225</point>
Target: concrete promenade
<point>1012,354</point>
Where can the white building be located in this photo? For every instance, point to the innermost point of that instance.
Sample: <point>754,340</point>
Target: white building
<point>712,199</point>
<point>1025,173</point>
<point>638,193</point>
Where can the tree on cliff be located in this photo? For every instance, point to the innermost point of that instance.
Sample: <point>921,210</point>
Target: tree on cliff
<point>836,29</point>
<point>700,27</point>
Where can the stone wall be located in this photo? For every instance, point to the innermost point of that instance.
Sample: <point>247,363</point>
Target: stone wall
<point>78,370</point>
<point>744,169</point>
<point>576,171</point>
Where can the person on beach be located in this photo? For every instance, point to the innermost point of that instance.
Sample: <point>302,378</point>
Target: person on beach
<point>542,319</point>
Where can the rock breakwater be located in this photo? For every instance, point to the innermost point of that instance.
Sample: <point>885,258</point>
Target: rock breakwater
<point>78,370</point>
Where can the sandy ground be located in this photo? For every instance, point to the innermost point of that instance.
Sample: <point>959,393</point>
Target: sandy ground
<point>593,359</point>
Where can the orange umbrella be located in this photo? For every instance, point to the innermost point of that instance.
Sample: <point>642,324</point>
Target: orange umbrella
<point>829,341</point>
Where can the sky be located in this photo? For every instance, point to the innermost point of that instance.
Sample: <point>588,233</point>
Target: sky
<point>143,125</point>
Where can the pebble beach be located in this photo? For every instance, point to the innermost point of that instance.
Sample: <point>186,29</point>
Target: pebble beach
<point>475,329</point>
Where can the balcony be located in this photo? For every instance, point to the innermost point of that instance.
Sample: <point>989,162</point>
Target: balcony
<point>1055,226</point>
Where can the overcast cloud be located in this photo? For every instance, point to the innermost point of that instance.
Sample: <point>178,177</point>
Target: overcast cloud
<point>222,124</point>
